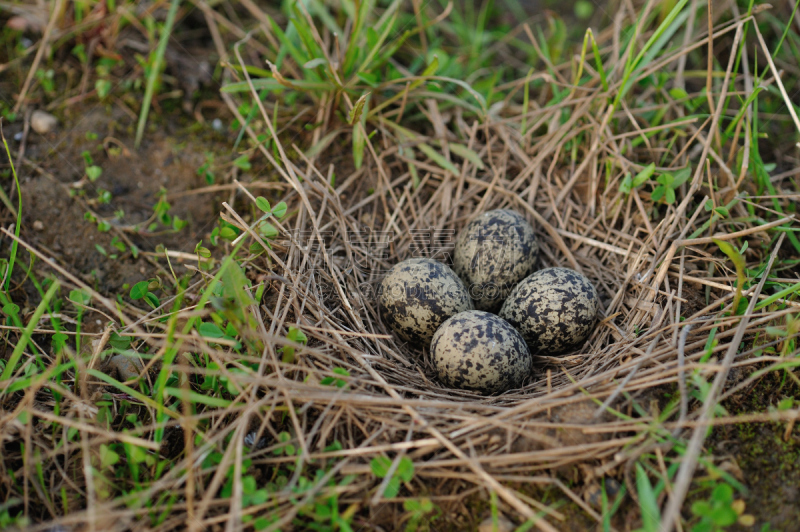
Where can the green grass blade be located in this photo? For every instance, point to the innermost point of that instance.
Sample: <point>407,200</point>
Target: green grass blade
<point>668,27</point>
<point>778,295</point>
<point>438,158</point>
<point>662,28</point>
<point>37,380</point>
<point>313,50</point>
<point>598,63</point>
<point>287,46</point>
<point>28,332</point>
<point>194,397</point>
<point>742,111</point>
<point>375,49</point>
<point>127,389</point>
<point>13,255</point>
<point>651,515</point>
<point>468,154</point>
<point>353,48</point>
<point>273,84</point>
<point>154,72</point>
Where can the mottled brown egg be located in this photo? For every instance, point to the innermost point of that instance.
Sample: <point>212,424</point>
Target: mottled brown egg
<point>493,253</point>
<point>417,296</point>
<point>478,351</point>
<point>554,309</point>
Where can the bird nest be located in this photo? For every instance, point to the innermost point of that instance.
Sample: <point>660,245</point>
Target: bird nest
<point>356,384</point>
<point>582,176</point>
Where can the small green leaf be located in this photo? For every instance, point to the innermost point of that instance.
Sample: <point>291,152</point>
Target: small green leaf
<point>627,184</point>
<point>678,93</point>
<point>107,457</point>
<point>701,508</point>
<point>392,488</point>
<point>681,176</point>
<point>227,233</point>
<point>152,299</point>
<point>103,87</point>
<point>669,196</point>
<point>210,330</point>
<point>405,469</point>
<point>724,516</point>
<point>120,342</point>
<point>722,211</point>
<point>584,9</point>
<point>279,211</point>
<point>242,162</point>
<point>380,466</point>
<point>93,172</point>
<point>723,493</point>
<point>267,230</point>
<point>202,251</point>
<point>59,341</point>
<point>296,335</point>
<point>178,224</point>
<point>263,204</point>
<point>658,193</point>
<point>139,290</point>
<point>79,296</point>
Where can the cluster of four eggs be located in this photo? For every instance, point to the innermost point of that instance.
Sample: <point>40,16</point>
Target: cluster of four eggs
<point>485,319</point>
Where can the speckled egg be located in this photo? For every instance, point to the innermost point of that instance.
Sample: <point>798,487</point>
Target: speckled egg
<point>493,253</point>
<point>417,296</point>
<point>554,309</point>
<point>478,351</point>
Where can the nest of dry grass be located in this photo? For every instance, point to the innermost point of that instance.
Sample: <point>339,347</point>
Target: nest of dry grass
<point>576,409</point>
<point>353,383</point>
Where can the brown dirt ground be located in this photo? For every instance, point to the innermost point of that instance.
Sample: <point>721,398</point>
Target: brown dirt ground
<point>168,159</point>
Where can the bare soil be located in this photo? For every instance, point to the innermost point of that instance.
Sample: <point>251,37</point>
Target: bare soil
<point>168,161</point>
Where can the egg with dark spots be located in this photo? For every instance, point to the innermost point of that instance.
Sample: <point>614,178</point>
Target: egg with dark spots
<point>493,253</point>
<point>554,309</point>
<point>417,296</point>
<point>479,351</point>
